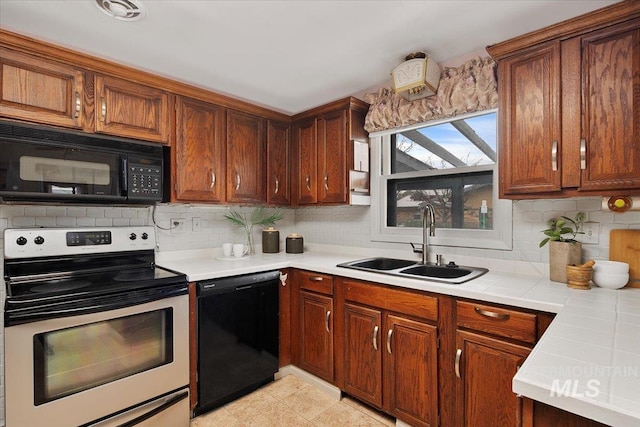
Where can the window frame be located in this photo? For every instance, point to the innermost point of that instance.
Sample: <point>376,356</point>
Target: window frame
<point>499,238</point>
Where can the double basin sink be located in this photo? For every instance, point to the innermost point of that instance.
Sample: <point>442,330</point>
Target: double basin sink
<point>450,273</point>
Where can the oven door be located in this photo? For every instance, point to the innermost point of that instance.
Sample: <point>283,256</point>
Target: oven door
<point>81,369</point>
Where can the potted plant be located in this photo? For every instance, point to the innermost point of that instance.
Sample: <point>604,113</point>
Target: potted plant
<point>564,249</point>
<point>259,216</point>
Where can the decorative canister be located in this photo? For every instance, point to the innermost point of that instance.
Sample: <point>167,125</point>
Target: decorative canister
<point>294,243</point>
<point>270,241</point>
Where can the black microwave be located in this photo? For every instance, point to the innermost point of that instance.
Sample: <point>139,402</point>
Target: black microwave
<point>43,164</point>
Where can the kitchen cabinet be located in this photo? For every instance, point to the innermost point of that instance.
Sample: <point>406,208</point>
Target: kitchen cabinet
<point>198,167</point>
<point>492,343</point>
<point>389,341</point>
<point>570,107</point>
<point>132,110</point>
<point>324,151</point>
<point>245,142</point>
<point>38,90</point>
<point>278,163</point>
<point>315,323</point>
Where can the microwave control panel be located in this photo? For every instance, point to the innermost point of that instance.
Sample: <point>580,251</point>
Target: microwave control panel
<point>145,180</point>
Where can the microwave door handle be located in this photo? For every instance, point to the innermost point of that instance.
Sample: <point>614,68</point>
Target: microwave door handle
<point>124,184</point>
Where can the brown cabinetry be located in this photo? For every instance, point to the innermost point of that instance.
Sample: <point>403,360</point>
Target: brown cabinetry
<point>245,157</point>
<point>390,350</point>
<point>570,107</point>
<point>323,151</point>
<point>39,90</point>
<point>128,109</point>
<point>198,169</point>
<point>315,323</point>
<point>278,163</point>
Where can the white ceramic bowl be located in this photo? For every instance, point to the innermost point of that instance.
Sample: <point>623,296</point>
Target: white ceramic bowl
<point>608,280</point>
<point>611,267</point>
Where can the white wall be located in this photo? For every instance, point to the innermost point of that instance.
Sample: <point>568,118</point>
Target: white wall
<point>341,225</point>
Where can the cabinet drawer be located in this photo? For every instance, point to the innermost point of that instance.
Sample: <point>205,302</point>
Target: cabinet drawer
<point>497,321</point>
<point>400,301</point>
<point>316,282</point>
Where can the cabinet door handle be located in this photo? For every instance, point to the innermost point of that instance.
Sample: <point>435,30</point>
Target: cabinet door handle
<point>213,180</point>
<point>103,109</point>
<point>326,320</point>
<point>78,105</point>
<point>326,181</point>
<point>237,181</point>
<point>375,338</point>
<point>277,186</point>
<point>554,156</point>
<point>389,334</point>
<point>486,313</point>
<point>583,154</point>
<point>316,278</point>
<point>308,181</point>
<point>457,366</point>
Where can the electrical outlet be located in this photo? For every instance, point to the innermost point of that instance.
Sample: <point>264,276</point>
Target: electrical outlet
<point>177,225</point>
<point>591,234</point>
<point>195,224</point>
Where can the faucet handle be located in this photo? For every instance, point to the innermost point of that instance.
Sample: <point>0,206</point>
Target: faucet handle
<point>417,247</point>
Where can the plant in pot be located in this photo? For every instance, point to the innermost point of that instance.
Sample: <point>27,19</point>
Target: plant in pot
<point>564,249</point>
<point>259,216</point>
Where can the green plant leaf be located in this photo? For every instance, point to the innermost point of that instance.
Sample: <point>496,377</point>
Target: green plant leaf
<point>544,242</point>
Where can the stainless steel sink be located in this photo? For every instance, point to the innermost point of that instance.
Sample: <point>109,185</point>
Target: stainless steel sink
<point>450,273</point>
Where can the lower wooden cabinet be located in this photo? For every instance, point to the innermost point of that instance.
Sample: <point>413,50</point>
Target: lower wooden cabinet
<point>316,338</point>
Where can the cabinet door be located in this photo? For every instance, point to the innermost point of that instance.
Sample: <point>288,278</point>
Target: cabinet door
<point>611,91</point>
<point>363,353</point>
<point>410,373</point>
<point>198,170</point>
<point>131,110</point>
<point>306,170</point>
<point>316,332</point>
<point>530,126</point>
<point>245,157</point>
<point>40,91</point>
<point>332,153</point>
<point>486,367</point>
<point>278,158</point>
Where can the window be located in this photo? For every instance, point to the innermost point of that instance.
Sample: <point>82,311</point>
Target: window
<point>451,165</point>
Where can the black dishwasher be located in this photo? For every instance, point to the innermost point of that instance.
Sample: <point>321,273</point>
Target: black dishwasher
<point>237,336</point>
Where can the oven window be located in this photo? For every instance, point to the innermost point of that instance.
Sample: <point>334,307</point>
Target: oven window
<point>71,360</point>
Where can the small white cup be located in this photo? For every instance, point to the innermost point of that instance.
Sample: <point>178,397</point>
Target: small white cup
<point>227,249</point>
<point>239,250</point>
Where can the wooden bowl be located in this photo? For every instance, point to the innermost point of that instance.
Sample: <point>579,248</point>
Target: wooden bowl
<point>579,276</point>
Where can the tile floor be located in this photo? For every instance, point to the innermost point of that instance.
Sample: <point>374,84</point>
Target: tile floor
<point>290,402</point>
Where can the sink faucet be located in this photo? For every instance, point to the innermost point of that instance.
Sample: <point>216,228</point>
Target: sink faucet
<point>428,229</point>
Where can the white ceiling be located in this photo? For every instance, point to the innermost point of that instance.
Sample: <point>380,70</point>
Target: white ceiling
<point>288,55</point>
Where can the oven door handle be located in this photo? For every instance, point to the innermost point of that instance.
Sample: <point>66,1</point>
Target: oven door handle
<point>152,413</point>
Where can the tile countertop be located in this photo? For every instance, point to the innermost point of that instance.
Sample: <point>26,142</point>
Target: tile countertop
<point>587,362</point>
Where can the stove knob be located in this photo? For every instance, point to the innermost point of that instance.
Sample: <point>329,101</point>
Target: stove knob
<point>38,240</point>
<point>132,236</point>
<point>145,236</point>
<point>21,241</point>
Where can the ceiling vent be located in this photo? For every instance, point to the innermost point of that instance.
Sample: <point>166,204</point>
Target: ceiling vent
<point>123,10</point>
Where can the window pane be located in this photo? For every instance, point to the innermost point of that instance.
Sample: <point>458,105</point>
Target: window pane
<point>457,200</point>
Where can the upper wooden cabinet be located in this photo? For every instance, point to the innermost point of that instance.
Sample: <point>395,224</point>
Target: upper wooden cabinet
<point>198,167</point>
<point>245,157</point>
<point>278,163</point>
<point>131,110</point>
<point>40,90</point>
<point>570,107</point>
<point>323,151</point>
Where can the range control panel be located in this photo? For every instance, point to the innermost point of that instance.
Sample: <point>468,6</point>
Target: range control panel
<point>38,242</point>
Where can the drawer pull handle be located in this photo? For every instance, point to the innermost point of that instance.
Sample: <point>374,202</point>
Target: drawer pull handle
<point>494,315</point>
<point>554,156</point>
<point>326,320</point>
<point>316,278</point>
<point>375,338</point>
<point>103,109</point>
<point>78,105</point>
<point>389,334</point>
<point>583,154</point>
<point>277,186</point>
<point>458,356</point>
